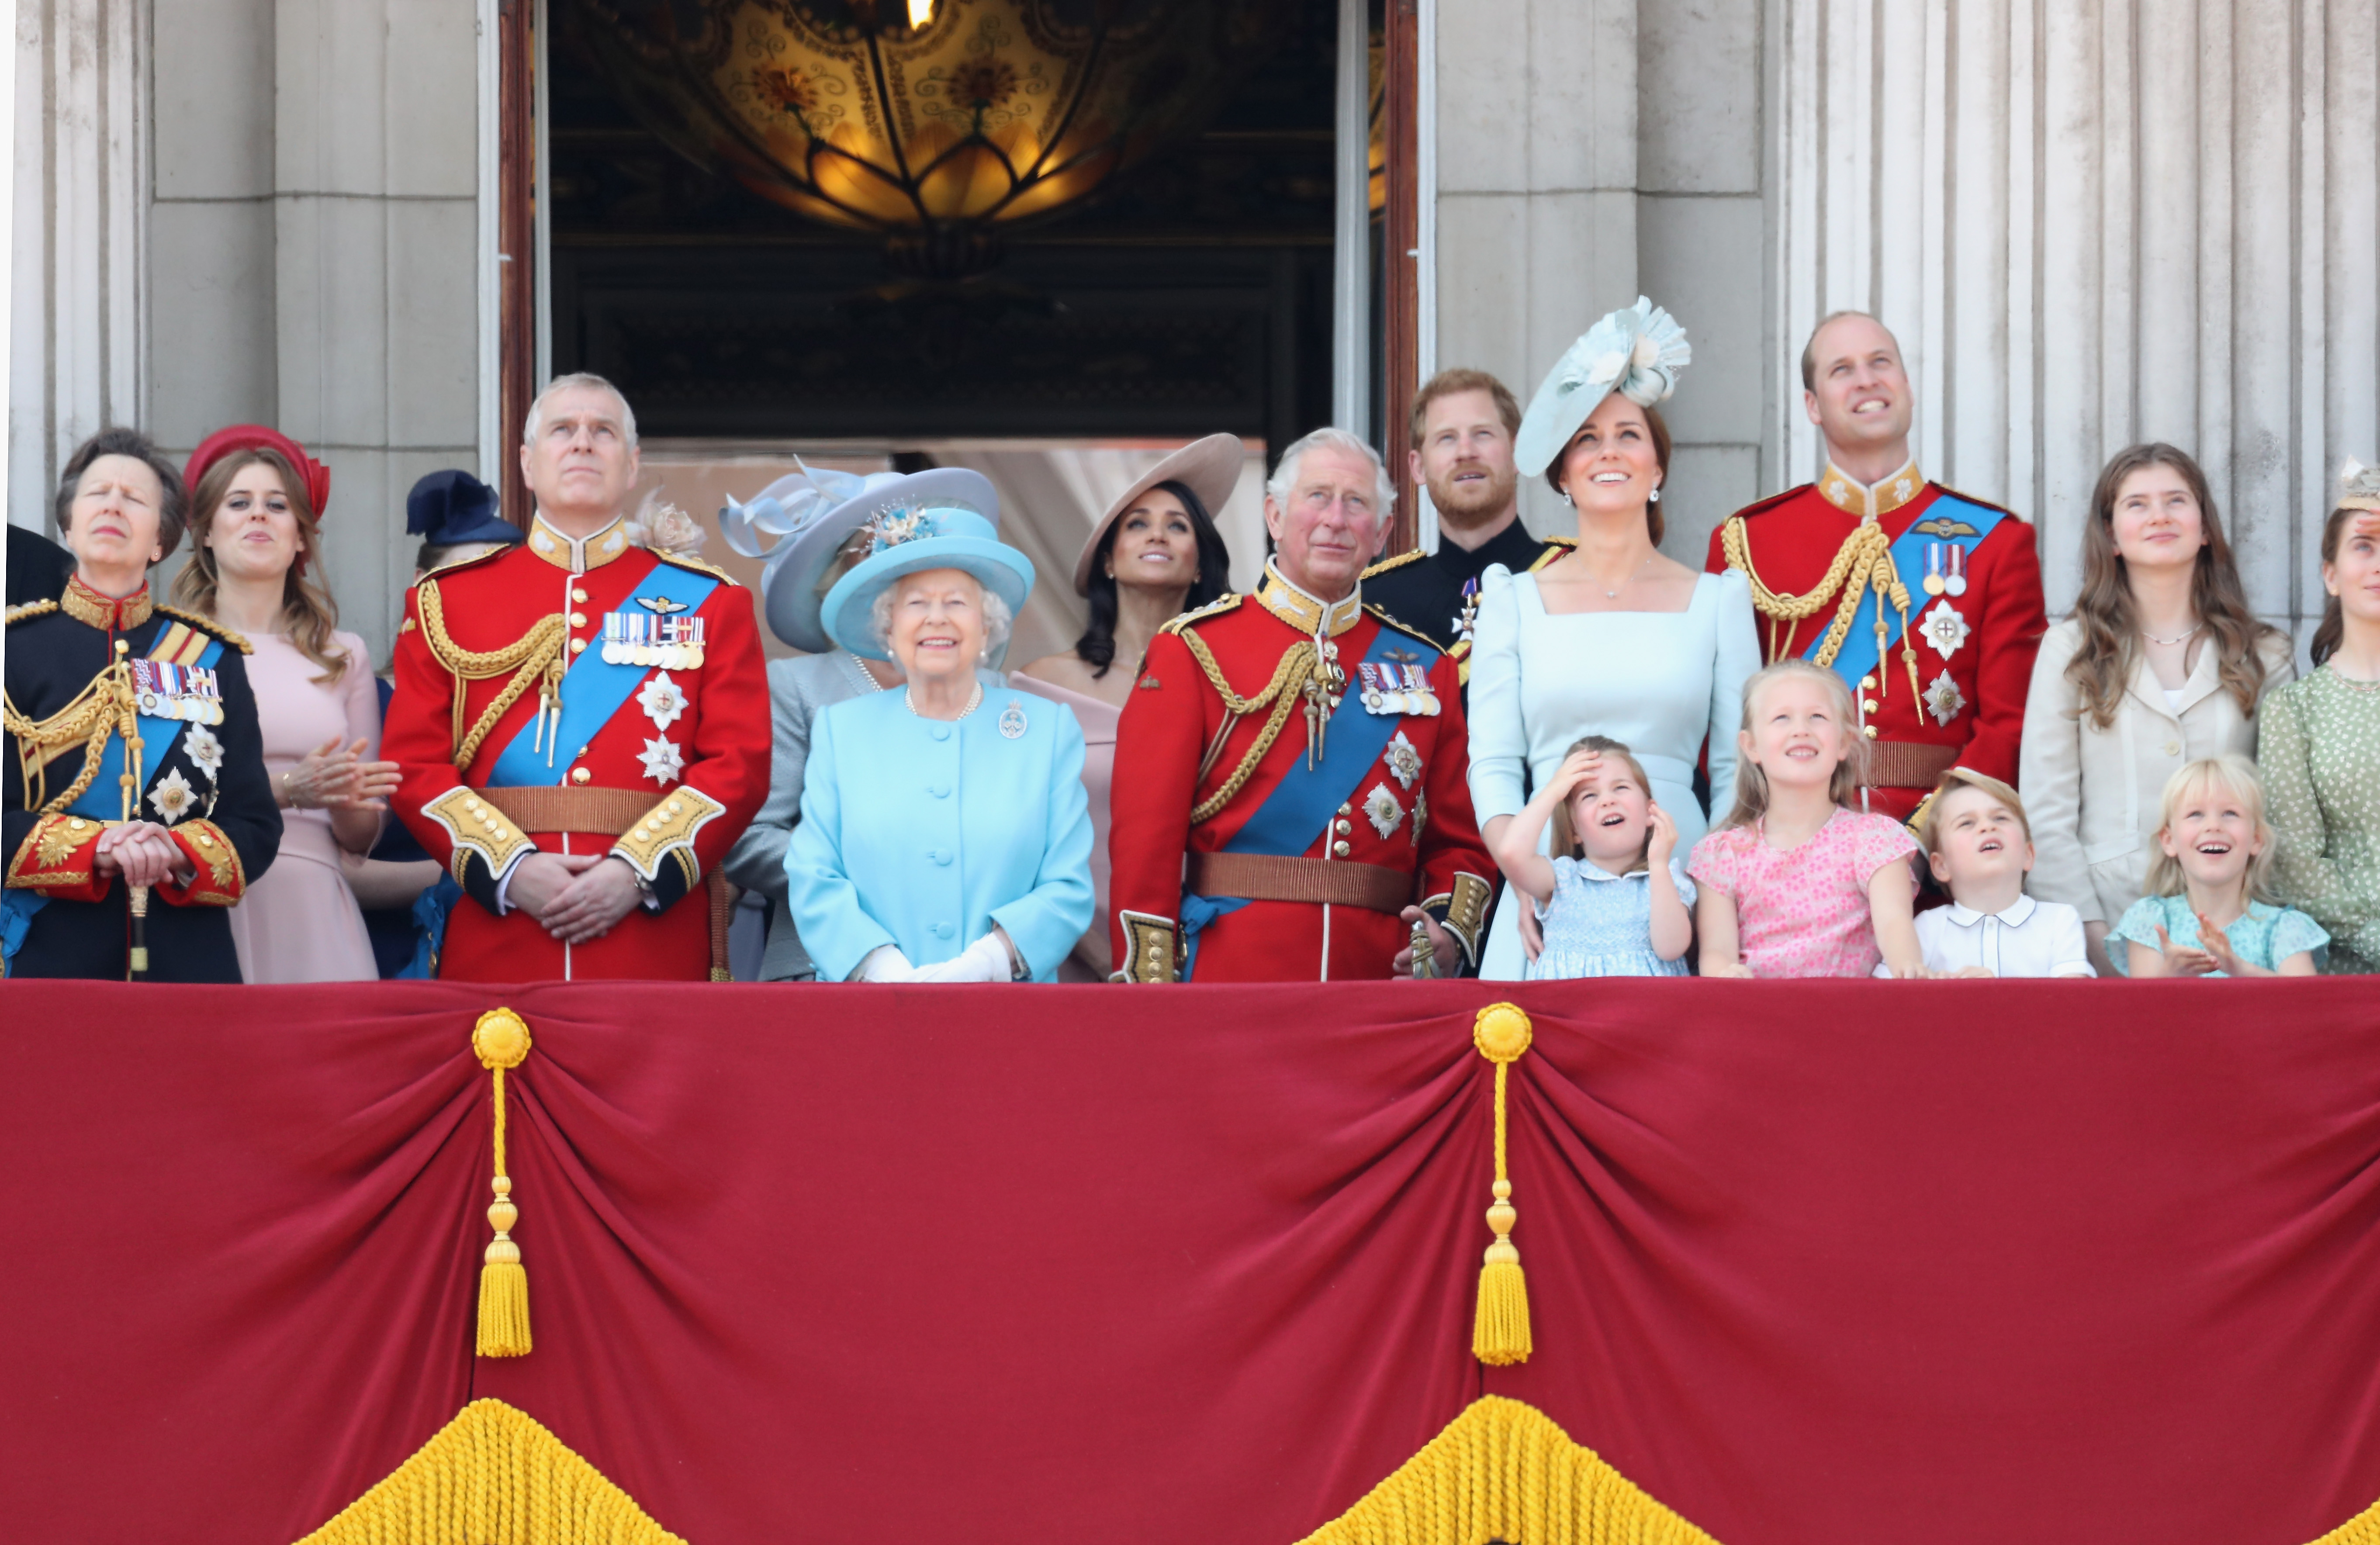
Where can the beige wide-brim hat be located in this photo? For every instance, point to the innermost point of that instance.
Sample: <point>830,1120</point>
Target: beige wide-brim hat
<point>1208,467</point>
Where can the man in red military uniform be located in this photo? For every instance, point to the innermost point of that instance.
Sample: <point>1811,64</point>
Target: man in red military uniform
<point>1290,802</point>
<point>1927,602</point>
<point>581,723</point>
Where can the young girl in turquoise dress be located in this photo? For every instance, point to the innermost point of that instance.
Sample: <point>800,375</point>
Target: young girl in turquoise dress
<point>1795,882</point>
<point>1611,900</point>
<point>2204,915</point>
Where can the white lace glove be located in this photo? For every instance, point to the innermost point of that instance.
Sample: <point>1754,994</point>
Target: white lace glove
<point>985,960</point>
<point>886,962</point>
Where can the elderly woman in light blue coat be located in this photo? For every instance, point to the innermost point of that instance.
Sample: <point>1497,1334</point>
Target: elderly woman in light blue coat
<point>944,832</point>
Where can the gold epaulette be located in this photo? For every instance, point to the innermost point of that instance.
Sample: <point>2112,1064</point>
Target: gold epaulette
<point>1398,562</point>
<point>30,609</point>
<point>1408,629</point>
<point>207,625</point>
<point>1227,601</point>
<point>680,560</point>
<point>455,565</point>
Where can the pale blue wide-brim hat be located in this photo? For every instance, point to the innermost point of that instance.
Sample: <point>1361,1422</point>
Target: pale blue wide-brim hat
<point>1636,352</point>
<point>912,537</point>
<point>811,513</point>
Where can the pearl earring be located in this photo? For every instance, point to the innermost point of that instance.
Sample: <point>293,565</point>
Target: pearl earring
<point>1657,496</point>
<point>1565,493</point>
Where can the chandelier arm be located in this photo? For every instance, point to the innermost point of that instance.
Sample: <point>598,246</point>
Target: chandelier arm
<point>725,115</point>
<point>1066,124</point>
<point>908,184</point>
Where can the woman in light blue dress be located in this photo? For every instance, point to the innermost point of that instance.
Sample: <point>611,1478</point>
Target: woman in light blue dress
<point>944,832</point>
<point>1612,639</point>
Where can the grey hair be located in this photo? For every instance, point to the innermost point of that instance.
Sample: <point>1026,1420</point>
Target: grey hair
<point>998,620</point>
<point>536,420</point>
<point>1285,471</point>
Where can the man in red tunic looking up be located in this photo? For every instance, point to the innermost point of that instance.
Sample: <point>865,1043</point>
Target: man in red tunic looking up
<point>1290,801</point>
<point>582,722</point>
<point>1927,602</point>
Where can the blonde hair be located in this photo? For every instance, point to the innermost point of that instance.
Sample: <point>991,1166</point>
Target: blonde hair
<point>2236,776</point>
<point>1963,777</point>
<point>1752,783</point>
<point>1566,838</point>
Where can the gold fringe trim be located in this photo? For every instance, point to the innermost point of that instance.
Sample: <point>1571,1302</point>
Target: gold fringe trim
<point>493,1475</point>
<point>2361,1530</point>
<point>1503,1471</point>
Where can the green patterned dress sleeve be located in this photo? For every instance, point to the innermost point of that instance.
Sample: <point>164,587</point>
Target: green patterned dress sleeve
<point>2318,746</point>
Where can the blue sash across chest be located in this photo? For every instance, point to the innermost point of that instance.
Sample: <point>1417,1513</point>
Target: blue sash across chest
<point>593,688</point>
<point>103,801</point>
<point>1302,804</point>
<point>1951,521</point>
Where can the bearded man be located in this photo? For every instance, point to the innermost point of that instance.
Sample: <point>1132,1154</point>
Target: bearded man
<point>1462,427</point>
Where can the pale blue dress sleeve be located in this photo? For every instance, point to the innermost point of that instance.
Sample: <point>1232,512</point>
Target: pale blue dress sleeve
<point>1499,734</point>
<point>1044,923</point>
<point>824,903</point>
<point>2139,925</point>
<point>1737,658</point>
<point>2293,931</point>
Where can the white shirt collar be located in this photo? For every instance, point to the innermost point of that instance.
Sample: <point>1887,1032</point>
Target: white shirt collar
<point>2016,914</point>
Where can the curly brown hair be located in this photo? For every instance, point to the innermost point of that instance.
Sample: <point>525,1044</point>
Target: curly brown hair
<point>306,609</point>
<point>2110,649</point>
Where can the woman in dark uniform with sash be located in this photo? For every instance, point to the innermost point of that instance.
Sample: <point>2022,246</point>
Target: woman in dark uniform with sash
<point>135,808</point>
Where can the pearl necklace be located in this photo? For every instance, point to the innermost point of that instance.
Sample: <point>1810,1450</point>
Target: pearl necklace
<point>2169,643</point>
<point>909,701</point>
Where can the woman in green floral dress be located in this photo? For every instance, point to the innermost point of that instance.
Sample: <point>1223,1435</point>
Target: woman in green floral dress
<point>2320,744</point>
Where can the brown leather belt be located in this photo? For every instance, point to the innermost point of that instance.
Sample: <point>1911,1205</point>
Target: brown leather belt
<point>610,813</point>
<point>1906,764</point>
<point>602,812</point>
<point>1260,877</point>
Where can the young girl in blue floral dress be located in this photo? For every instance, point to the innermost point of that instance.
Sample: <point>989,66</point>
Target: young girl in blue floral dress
<point>1611,900</point>
<point>2204,915</point>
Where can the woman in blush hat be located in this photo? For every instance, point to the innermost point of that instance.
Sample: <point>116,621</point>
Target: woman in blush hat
<point>1154,554</point>
<point>256,499</point>
<point>944,833</point>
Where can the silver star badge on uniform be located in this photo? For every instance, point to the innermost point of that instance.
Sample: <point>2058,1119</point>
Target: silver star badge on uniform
<point>1402,760</point>
<point>173,796</point>
<point>1382,805</point>
<point>1944,698</point>
<point>205,751</point>
<point>662,700</point>
<point>1944,629</point>
<point>663,762</point>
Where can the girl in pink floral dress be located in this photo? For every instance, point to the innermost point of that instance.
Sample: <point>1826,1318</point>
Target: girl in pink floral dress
<point>1795,882</point>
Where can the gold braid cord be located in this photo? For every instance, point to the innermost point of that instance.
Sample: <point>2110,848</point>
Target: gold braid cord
<point>1502,1471</point>
<point>493,1475</point>
<point>106,707</point>
<point>1863,561</point>
<point>536,654</point>
<point>1298,666</point>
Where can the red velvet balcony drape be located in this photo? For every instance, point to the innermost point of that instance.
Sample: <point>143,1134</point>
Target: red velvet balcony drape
<point>1807,1262</point>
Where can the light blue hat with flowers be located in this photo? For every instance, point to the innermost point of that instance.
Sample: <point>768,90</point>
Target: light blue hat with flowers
<point>802,521</point>
<point>915,525</point>
<point>1636,352</point>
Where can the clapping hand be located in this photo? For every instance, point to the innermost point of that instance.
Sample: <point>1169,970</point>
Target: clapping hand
<point>2180,960</point>
<point>2218,948</point>
<point>336,777</point>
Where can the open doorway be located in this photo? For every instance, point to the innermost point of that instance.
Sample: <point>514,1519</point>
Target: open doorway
<point>730,235</point>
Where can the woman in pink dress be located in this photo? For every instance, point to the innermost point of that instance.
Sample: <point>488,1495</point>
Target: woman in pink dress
<point>255,498</point>
<point>1153,555</point>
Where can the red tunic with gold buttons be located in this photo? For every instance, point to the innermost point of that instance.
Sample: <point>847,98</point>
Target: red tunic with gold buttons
<point>1244,847</point>
<point>495,765</point>
<point>1949,691</point>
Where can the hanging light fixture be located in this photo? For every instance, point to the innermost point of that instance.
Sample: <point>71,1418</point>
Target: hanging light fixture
<point>934,125</point>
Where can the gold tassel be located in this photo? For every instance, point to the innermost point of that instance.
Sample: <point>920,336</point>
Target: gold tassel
<point>501,1038</point>
<point>1500,1330</point>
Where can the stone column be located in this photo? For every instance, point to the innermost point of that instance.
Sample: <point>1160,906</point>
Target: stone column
<point>1536,188</point>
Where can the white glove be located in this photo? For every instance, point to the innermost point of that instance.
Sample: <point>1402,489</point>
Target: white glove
<point>886,962</point>
<point>985,960</point>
